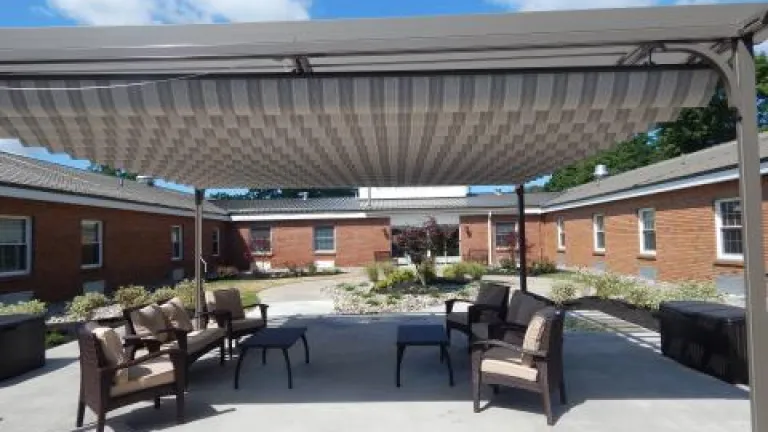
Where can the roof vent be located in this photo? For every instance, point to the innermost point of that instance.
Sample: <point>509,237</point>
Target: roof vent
<point>147,180</point>
<point>497,191</point>
<point>304,195</point>
<point>601,171</point>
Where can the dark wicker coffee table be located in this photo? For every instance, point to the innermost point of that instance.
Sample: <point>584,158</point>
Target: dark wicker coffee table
<point>423,335</point>
<point>279,338</point>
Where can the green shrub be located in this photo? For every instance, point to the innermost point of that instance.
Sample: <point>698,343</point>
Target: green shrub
<point>562,292</point>
<point>542,266</point>
<point>507,264</point>
<point>346,286</point>
<point>457,271</point>
<point>81,306</point>
<point>186,290</point>
<point>401,276</point>
<point>31,307</point>
<point>387,268</point>
<point>372,271</point>
<point>643,296</point>
<point>381,286</point>
<point>131,296</point>
<point>610,285</point>
<point>694,290</point>
<point>426,271</point>
<point>162,294</point>
<point>476,270</point>
<point>373,302</point>
<point>54,338</point>
<point>312,268</point>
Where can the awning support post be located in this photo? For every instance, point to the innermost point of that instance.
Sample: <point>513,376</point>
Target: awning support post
<point>521,238</point>
<point>200,298</point>
<point>744,98</point>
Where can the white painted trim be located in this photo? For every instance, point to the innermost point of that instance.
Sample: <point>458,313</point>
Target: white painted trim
<point>718,230</point>
<point>100,231</point>
<point>699,180</point>
<point>181,243</point>
<point>640,230</point>
<point>64,198</point>
<point>28,240</point>
<point>595,248</point>
<point>299,216</point>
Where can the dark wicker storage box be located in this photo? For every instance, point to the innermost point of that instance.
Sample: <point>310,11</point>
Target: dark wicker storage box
<point>708,337</point>
<point>22,344</point>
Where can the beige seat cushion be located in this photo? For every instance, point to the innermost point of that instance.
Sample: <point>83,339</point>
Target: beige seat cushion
<point>152,373</point>
<point>176,314</point>
<point>505,362</point>
<point>226,300</point>
<point>247,323</point>
<point>522,307</point>
<point>151,320</point>
<point>112,348</point>
<point>199,339</point>
<point>537,335</point>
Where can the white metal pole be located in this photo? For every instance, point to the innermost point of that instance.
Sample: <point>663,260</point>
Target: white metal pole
<point>200,298</point>
<point>750,191</point>
<point>490,239</point>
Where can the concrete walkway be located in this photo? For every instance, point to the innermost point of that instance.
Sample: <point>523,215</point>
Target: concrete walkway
<point>306,297</point>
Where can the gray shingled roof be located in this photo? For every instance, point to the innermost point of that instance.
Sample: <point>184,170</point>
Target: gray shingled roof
<point>20,171</point>
<point>346,204</point>
<point>713,159</point>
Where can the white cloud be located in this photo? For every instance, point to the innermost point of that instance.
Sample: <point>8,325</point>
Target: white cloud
<point>137,12</point>
<point>546,5</point>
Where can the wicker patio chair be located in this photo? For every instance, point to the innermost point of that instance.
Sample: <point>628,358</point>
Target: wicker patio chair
<point>536,366</point>
<point>490,306</point>
<point>227,307</point>
<point>521,309</point>
<point>109,380</point>
<point>157,327</point>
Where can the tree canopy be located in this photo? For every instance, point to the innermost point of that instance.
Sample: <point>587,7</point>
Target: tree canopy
<point>110,171</point>
<point>694,130</point>
<point>257,194</point>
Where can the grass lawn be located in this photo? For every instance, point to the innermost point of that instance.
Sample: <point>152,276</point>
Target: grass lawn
<point>558,275</point>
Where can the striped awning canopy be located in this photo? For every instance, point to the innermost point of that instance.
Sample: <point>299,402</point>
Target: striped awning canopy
<point>354,130</point>
<point>434,101</point>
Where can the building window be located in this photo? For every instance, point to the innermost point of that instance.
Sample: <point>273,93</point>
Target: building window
<point>598,231</point>
<point>216,245</point>
<point>560,223</point>
<point>177,243</point>
<point>324,239</point>
<point>728,224</point>
<point>261,240</point>
<point>15,248</point>
<point>646,219</point>
<point>91,244</point>
<point>505,235</point>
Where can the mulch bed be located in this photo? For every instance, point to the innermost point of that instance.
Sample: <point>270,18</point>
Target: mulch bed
<point>643,317</point>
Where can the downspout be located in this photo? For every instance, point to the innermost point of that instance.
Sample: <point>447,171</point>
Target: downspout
<point>490,239</point>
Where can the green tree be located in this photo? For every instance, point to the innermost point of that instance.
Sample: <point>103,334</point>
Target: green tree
<point>260,194</point>
<point>110,171</point>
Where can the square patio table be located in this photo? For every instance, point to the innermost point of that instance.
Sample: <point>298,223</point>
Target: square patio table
<point>423,335</point>
<point>273,337</point>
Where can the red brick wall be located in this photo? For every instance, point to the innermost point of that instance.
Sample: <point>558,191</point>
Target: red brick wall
<point>292,242</point>
<point>474,235</point>
<point>137,248</point>
<point>685,234</point>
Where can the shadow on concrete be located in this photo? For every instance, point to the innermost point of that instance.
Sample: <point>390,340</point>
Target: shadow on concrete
<point>51,365</point>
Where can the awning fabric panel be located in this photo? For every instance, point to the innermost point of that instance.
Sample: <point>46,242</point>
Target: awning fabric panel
<point>349,130</point>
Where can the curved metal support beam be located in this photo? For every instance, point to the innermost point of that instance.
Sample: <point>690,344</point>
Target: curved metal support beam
<point>716,61</point>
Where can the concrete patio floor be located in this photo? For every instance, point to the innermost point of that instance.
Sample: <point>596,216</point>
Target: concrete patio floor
<point>613,384</point>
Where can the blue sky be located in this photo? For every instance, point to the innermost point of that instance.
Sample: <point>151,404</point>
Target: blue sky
<point>46,13</point>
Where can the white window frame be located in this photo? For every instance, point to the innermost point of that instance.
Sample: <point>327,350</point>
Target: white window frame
<point>560,226</point>
<point>28,241</point>
<point>181,243</point>
<point>496,235</point>
<point>721,255</point>
<point>314,234</point>
<point>216,244</point>
<point>250,236</point>
<point>100,232</point>
<point>641,230</point>
<point>595,231</point>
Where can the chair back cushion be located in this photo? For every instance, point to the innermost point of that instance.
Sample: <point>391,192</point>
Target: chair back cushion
<point>112,349</point>
<point>151,320</point>
<point>538,333</point>
<point>492,294</point>
<point>177,315</point>
<point>522,307</point>
<point>226,300</point>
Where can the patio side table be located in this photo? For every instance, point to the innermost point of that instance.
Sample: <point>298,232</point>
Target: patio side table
<point>279,338</point>
<point>423,335</point>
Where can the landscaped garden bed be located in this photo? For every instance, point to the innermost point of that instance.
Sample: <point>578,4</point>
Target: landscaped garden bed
<point>364,298</point>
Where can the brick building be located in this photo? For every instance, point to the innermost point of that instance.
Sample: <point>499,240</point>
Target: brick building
<point>64,231</point>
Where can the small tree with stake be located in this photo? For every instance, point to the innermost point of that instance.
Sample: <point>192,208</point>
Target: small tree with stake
<point>512,240</point>
<point>416,242</point>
